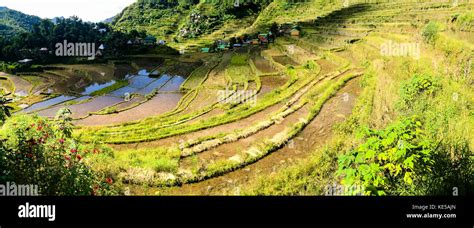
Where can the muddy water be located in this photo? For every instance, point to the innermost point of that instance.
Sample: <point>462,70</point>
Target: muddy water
<point>122,91</point>
<point>82,110</point>
<point>70,81</point>
<point>154,85</point>
<point>47,103</point>
<point>96,87</point>
<point>173,84</point>
<point>140,81</point>
<point>159,104</point>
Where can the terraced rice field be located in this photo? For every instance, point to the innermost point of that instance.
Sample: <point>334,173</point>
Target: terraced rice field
<point>226,124</point>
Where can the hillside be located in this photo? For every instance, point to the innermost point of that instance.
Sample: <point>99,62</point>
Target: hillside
<point>12,21</point>
<point>186,19</point>
<point>371,95</point>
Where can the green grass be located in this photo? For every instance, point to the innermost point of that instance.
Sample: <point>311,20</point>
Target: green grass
<point>117,85</point>
<point>119,163</point>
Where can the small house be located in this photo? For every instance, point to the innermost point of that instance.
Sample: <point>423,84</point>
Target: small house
<point>25,61</point>
<point>205,50</point>
<point>221,47</point>
<point>295,32</point>
<point>263,38</point>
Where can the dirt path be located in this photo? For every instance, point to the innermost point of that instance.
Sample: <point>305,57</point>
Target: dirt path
<point>314,136</point>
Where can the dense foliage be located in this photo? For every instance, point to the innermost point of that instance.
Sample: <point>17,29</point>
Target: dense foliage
<point>47,34</point>
<point>418,87</point>
<point>184,18</point>
<point>403,160</point>
<point>390,160</point>
<point>37,151</point>
<point>12,22</point>
<point>430,32</point>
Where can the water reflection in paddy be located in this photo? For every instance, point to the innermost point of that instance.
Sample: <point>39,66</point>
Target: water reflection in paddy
<point>48,103</point>
<point>143,83</point>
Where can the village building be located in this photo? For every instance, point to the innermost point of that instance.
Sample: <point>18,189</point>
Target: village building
<point>25,61</point>
<point>295,32</point>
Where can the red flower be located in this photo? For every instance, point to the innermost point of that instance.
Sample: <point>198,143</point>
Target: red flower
<point>29,155</point>
<point>73,151</point>
<point>109,180</point>
<point>61,141</point>
<point>79,157</point>
<point>67,158</point>
<point>40,128</point>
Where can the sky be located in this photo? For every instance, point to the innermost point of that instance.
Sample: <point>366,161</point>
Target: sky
<point>87,10</point>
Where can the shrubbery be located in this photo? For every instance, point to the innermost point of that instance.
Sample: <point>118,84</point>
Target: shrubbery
<point>430,32</point>
<point>38,151</point>
<point>402,160</point>
<point>418,87</point>
<point>390,160</point>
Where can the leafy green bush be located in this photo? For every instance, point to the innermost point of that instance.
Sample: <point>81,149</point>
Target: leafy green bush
<point>402,160</point>
<point>37,151</point>
<point>10,68</point>
<point>390,161</point>
<point>430,32</point>
<point>418,87</point>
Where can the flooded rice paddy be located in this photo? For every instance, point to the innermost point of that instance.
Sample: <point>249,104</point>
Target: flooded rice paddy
<point>74,86</point>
